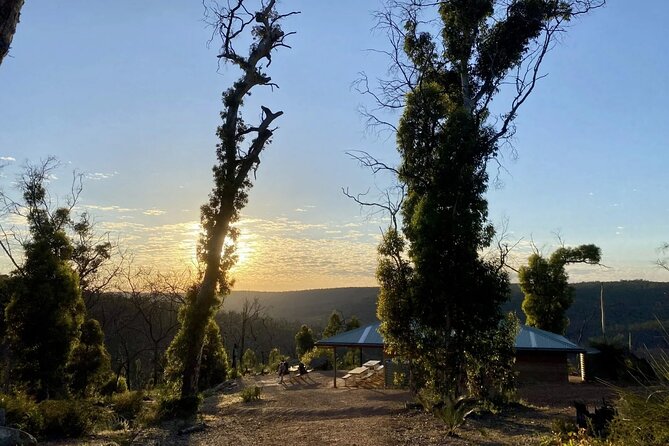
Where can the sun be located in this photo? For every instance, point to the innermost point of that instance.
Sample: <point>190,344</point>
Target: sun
<point>244,251</point>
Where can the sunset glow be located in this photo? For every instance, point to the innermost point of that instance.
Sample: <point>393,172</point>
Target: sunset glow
<point>137,115</point>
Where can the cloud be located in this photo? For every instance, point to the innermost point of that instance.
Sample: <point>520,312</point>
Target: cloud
<point>96,176</point>
<point>300,210</point>
<point>112,208</point>
<point>7,158</point>
<point>154,212</point>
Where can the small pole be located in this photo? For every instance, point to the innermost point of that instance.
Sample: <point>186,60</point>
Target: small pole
<point>335,366</point>
<point>601,305</point>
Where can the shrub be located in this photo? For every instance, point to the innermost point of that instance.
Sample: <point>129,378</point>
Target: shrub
<point>66,418</point>
<point>643,417</point>
<point>313,357</point>
<point>21,412</point>
<point>249,394</point>
<point>249,360</point>
<point>128,404</point>
<point>170,408</point>
<point>214,362</point>
<point>114,385</point>
<point>453,412</point>
<point>89,363</point>
<point>274,359</point>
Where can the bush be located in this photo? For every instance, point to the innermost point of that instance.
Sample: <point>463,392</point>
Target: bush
<point>114,385</point>
<point>171,408</point>
<point>249,394</point>
<point>214,362</point>
<point>323,355</point>
<point>274,359</point>
<point>66,418</point>
<point>128,405</point>
<point>21,412</point>
<point>643,417</point>
<point>249,360</point>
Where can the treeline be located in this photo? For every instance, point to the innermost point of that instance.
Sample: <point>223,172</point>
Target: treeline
<point>631,306</point>
<point>139,327</point>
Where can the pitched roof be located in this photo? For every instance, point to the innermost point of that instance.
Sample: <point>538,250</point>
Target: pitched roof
<point>528,339</point>
<point>368,336</point>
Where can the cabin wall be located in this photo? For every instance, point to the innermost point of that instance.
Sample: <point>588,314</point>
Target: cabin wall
<point>541,367</point>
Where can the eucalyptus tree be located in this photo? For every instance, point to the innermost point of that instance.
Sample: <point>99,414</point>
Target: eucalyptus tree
<point>439,298</point>
<point>46,308</point>
<point>236,162</point>
<point>55,263</point>
<point>545,284</point>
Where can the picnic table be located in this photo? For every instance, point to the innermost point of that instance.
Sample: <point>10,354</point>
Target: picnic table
<point>355,375</point>
<point>372,364</point>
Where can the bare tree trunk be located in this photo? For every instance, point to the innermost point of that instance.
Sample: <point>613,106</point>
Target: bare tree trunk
<point>10,12</point>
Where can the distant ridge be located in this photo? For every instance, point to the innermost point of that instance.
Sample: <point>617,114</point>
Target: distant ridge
<point>628,303</point>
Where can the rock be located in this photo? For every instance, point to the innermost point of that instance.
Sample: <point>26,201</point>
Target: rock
<point>15,437</point>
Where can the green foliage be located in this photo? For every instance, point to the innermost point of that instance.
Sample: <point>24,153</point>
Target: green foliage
<point>304,340</point>
<point>128,404</point>
<point>352,323</point>
<point>578,437</point>
<point>214,360</point>
<point>335,325</point>
<point>249,394</point>
<point>274,359</point>
<point>89,364</point>
<point>643,419</point>
<point>66,418</point>
<point>451,411</point>
<point>643,415</point>
<point>438,295</point>
<point>114,385</point>
<point>318,353</point>
<point>454,412</point>
<point>232,181</point>
<point>170,408</point>
<point>21,411</point>
<point>46,308</point>
<point>249,360</point>
<point>490,376</point>
<point>546,288</point>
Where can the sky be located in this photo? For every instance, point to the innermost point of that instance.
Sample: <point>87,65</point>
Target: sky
<point>129,94</point>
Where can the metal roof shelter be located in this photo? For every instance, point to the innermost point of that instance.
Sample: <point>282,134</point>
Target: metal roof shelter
<point>530,338</point>
<point>527,339</point>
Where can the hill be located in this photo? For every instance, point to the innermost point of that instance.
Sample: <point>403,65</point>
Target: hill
<point>631,306</point>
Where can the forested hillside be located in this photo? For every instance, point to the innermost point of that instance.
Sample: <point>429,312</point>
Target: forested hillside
<point>629,306</point>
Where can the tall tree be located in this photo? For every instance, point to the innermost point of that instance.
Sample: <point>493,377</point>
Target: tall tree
<point>235,163</point>
<point>438,295</point>
<point>46,308</point>
<point>545,284</point>
<point>10,12</point>
<point>335,325</point>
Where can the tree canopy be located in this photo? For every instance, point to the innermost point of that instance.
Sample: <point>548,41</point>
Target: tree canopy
<point>545,284</point>
<point>438,295</point>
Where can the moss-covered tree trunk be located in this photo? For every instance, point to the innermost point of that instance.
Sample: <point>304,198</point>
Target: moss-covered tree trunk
<point>232,179</point>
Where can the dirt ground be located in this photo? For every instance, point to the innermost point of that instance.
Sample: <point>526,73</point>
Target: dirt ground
<point>316,413</point>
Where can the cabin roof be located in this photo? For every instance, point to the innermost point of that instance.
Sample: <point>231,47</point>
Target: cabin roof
<point>527,339</point>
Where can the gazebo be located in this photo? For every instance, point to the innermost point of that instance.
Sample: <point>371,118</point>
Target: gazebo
<point>363,338</point>
<point>541,356</point>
